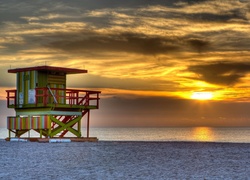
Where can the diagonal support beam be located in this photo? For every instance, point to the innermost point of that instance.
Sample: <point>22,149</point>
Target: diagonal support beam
<point>59,123</point>
<point>62,126</point>
<point>20,132</point>
<point>44,132</point>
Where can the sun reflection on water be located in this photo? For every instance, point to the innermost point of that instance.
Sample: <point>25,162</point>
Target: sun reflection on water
<point>203,134</point>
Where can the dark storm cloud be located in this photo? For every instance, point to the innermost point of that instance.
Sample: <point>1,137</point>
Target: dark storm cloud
<point>198,15</point>
<point>219,40</point>
<point>92,81</point>
<point>205,17</point>
<point>199,45</point>
<point>126,42</point>
<point>97,4</point>
<point>79,11</point>
<point>13,10</point>
<point>217,17</point>
<point>221,73</point>
<point>226,16</point>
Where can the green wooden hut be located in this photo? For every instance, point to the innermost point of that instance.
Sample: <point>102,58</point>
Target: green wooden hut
<point>43,103</point>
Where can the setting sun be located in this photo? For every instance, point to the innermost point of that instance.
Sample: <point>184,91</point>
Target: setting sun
<point>202,95</point>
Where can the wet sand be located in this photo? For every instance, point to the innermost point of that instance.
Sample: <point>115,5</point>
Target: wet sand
<point>124,160</point>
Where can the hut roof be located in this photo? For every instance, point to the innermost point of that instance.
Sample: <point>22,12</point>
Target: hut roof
<point>49,68</point>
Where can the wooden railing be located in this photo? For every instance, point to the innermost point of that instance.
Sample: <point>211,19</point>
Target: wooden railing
<point>11,97</point>
<point>57,96</point>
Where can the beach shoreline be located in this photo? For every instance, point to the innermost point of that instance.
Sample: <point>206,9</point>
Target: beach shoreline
<point>125,160</point>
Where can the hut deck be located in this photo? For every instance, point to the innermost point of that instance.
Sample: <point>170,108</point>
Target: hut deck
<point>46,140</point>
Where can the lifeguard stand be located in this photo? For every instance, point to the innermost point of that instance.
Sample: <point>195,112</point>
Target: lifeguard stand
<point>43,103</point>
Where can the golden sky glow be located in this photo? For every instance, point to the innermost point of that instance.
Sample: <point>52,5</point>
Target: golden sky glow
<point>132,50</point>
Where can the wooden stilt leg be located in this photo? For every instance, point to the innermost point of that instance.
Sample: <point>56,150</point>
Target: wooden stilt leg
<point>41,133</point>
<point>79,127</point>
<point>88,125</point>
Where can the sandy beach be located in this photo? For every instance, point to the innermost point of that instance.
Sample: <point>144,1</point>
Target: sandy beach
<point>124,160</point>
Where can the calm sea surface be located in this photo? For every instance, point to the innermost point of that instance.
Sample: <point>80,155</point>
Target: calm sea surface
<point>208,134</point>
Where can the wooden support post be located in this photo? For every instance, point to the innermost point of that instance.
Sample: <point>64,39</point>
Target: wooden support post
<point>41,133</point>
<point>88,124</point>
<point>79,127</point>
<point>49,130</point>
<point>9,133</point>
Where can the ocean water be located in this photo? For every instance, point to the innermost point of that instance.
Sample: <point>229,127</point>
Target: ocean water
<point>197,134</point>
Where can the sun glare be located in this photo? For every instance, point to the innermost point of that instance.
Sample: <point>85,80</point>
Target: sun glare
<point>203,134</point>
<point>202,95</point>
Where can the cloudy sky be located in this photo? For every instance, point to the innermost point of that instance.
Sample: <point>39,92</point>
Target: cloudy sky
<point>147,57</point>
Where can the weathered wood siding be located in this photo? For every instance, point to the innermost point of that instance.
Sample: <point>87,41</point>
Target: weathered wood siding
<point>25,123</point>
<point>26,83</point>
